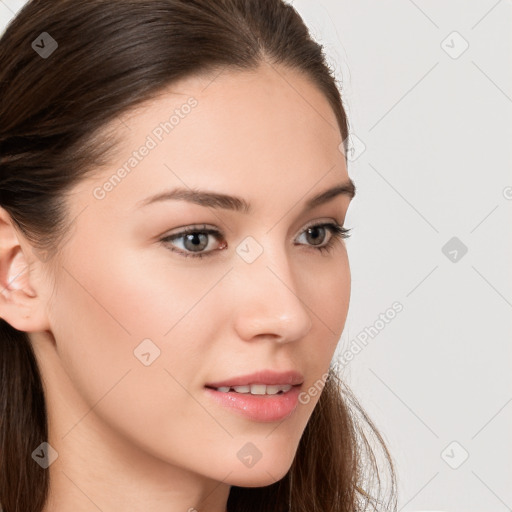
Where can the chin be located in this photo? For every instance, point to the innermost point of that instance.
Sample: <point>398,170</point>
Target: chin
<point>259,475</point>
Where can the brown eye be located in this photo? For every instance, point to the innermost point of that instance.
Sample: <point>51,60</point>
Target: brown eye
<point>316,234</point>
<point>193,241</point>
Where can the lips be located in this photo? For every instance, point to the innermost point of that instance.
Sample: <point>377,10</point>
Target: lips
<point>266,377</point>
<point>259,408</point>
<point>262,396</point>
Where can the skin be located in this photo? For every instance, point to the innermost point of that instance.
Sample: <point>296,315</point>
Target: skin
<point>147,438</point>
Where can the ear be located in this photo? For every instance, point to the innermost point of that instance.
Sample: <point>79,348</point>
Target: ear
<point>20,303</point>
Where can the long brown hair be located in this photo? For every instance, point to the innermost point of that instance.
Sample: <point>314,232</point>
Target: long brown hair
<point>109,57</point>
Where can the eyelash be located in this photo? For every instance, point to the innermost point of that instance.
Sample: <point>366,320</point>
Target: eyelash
<point>338,233</point>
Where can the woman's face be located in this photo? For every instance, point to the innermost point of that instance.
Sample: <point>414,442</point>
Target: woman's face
<point>141,326</point>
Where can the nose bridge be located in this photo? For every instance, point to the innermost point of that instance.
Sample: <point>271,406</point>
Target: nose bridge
<point>269,294</point>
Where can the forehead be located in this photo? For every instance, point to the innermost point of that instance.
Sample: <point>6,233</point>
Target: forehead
<point>229,130</point>
<point>227,105</point>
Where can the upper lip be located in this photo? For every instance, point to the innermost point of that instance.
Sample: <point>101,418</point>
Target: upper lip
<point>268,377</point>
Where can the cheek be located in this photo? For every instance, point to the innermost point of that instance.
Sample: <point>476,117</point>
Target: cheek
<point>99,318</point>
<point>327,297</point>
<point>114,312</point>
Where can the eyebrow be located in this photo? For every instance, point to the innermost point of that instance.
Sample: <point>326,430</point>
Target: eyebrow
<point>238,204</point>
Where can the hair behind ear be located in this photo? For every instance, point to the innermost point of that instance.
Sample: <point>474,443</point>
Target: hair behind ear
<point>23,423</point>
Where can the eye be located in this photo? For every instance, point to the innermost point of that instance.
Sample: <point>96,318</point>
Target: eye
<point>317,232</point>
<point>195,240</point>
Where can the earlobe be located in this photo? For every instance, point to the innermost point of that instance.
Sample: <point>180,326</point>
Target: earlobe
<point>20,304</point>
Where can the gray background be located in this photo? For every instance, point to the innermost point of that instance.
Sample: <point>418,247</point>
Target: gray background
<point>431,134</point>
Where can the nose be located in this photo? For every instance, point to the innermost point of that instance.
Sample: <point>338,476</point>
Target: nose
<point>271,300</point>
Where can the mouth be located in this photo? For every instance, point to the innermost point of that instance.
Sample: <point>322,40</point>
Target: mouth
<point>257,402</point>
<point>255,389</point>
<point>263,396</point>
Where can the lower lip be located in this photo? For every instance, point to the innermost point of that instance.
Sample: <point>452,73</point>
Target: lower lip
<point>264,408</point>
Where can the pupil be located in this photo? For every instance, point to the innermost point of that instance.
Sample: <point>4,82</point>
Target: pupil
<point>196,242</point>
<point>315,229</point>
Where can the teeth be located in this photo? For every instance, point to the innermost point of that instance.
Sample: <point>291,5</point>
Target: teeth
<point>262,389</point>
<point>242,389</point>
<point>257,389</point>
<point>273,390</point>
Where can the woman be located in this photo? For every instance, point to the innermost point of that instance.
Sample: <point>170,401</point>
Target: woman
<point>173,188</point>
